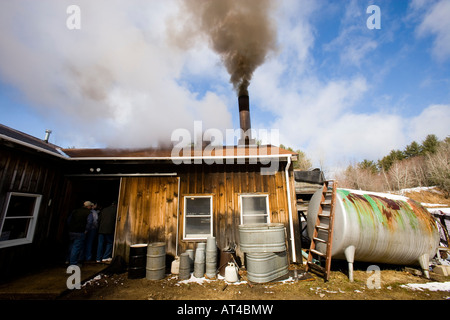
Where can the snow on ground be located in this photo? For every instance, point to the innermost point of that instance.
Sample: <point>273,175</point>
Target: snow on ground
<point>445,211</point>
<point>434,205</point>
<point>379,194</point>
<point>419,189</point>
<point>432,286</point>
<point>202,280</point>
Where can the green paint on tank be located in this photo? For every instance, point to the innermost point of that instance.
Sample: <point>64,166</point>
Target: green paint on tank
<point>372,210</point>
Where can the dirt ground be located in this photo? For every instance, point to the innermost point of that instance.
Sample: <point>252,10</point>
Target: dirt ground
<point>119,287</point>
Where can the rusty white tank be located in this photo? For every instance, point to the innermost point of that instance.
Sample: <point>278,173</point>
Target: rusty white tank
<point>379,228</point>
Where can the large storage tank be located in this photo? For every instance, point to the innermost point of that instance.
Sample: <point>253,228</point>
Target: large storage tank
<point>379,228</point>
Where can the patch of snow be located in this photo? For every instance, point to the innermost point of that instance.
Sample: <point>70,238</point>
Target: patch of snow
<point>419,189</point>
<point>444,211</point>
<point>98,277</point>
<point>379,194</point>
<point>202,280</point>
<point>433,204</point>
<point>432,286</point>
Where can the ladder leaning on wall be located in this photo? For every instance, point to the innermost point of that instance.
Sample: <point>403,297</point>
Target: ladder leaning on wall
<point>323,231</point>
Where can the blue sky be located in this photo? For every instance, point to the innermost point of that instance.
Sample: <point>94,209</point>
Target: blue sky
<point>334,88</point>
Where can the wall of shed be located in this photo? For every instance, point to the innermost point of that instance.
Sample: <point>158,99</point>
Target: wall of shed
<point>25,172</point>
<point>147,212</point>
<point>148,206</point>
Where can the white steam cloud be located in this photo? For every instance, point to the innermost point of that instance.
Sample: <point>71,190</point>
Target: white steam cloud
<point>115,79</point>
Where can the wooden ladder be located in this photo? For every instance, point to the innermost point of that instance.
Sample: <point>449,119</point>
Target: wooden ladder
<point>323,232</point>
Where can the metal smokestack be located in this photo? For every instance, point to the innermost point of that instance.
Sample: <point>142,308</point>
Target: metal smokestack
<point>244,119</point>
<point>47,135</point>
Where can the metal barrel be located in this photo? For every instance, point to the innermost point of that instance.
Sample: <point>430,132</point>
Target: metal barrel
<point>185,268</point>
<point>262,237</point>
<point>156,261</point>
<point>266,267</point>
<point>136,261</point>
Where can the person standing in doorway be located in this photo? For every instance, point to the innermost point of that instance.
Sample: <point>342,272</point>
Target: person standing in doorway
<point>91,235</point>
<point>77,231</point>
<point>106,226</point>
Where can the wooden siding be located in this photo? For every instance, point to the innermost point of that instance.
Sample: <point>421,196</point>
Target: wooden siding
<point>147,212</point>
<point>148,206</point>
<point>27,173</point>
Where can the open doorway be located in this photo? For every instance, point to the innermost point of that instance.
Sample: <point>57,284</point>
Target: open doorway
<point>101,191</point>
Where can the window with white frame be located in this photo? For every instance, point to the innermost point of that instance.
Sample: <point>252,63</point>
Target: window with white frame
<point>18,220</point>
<point>254,209</point>
<point>198,217</point>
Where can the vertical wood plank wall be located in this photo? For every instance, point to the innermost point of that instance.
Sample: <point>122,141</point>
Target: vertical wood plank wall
<point>147,212</point>
<point>26,173</point>
<point>148,206</point>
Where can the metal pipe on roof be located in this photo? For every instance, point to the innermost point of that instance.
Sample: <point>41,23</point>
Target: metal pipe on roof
<point>47,135</point>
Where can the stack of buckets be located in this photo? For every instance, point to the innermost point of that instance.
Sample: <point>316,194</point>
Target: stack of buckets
<point>202,262</point>
<point>199,262</point>
<point>211,258</point>
<point>265,249</point>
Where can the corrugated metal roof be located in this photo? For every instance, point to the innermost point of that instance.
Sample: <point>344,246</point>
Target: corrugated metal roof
<point>13,135</point>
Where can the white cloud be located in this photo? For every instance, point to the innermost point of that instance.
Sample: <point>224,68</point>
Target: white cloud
<point>436,22</point>
<point>117,78</point>
<point>434,119</point>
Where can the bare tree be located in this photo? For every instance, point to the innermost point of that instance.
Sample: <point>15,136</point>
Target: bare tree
<point>438,167</point>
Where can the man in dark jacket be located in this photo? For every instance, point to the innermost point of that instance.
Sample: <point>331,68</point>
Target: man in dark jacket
<point>77,231</point>
<point>106,226</point>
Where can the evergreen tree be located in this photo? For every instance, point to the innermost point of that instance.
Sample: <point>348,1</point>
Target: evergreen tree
<point>369,165</point>
<point>413,150</point>
<point>386,162</point>
<point>430,144</point>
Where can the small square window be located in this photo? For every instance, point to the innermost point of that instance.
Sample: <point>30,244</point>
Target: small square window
<point>254,209</point>
<point>198,217</point>
<point>19,219</point>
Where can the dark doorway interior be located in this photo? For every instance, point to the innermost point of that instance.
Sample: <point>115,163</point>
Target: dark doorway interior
<point>102,191</point>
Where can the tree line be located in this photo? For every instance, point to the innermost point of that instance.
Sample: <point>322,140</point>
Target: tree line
<point>418,165</point>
